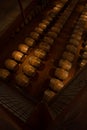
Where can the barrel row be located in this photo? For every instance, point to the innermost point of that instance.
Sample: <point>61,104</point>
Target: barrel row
<point>67,60</point>
<point>23,49</point>
<point>38,55</point>
<point>83,55</point>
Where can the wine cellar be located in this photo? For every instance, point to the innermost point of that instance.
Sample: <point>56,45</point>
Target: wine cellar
<point>43,48</point>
